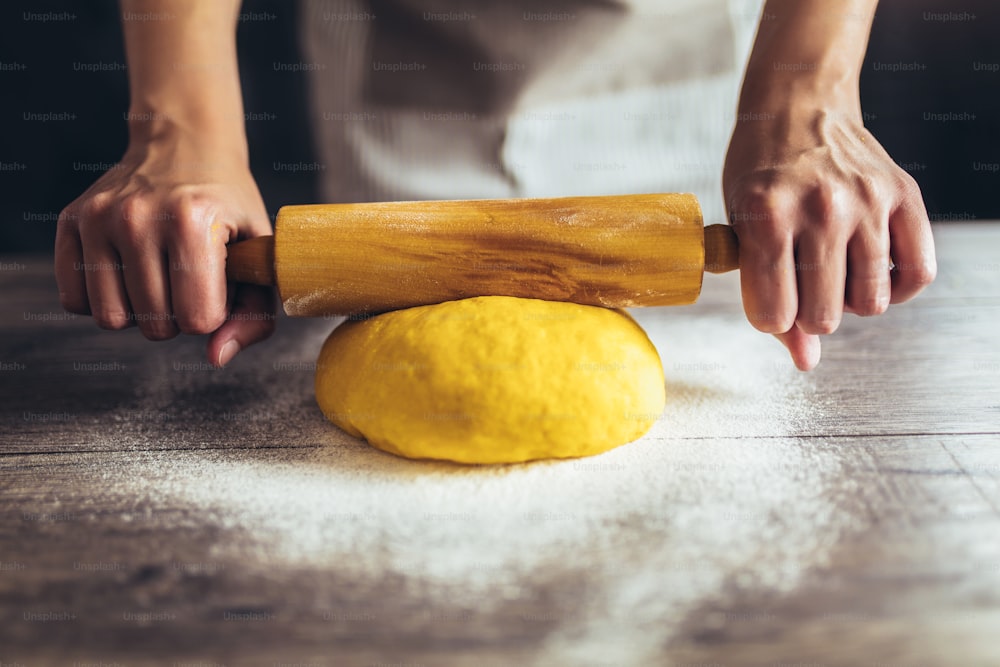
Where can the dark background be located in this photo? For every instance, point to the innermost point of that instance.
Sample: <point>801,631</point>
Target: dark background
<point>45,165</point>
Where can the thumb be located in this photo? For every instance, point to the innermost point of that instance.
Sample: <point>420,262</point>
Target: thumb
<point>251,320</point>
<point>804,348</point>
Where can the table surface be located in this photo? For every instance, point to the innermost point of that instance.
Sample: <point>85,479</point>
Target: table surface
<point>155,511</point>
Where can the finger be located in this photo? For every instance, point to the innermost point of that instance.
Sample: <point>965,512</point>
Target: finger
<point>912,250</point>
<point>804,348</point>
<point>252,320</point>
<point>148,291</point>
<point>198,270</point>
<point>821,268</point>
<point>767,277</point>
<point>868,285</point>
<point>105,288</point>
<point>70,278</point>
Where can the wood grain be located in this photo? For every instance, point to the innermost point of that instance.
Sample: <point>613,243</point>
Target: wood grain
<point>155,512</point>
<point>252,261</point>
<point>636,250</point>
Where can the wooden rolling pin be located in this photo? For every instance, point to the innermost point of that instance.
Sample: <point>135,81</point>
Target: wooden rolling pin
<point>614,251</point>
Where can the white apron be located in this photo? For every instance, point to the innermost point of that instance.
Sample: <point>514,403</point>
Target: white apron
<point>455,99</point>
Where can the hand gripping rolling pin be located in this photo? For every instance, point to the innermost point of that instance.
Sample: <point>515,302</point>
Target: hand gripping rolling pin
<point>614,251</point>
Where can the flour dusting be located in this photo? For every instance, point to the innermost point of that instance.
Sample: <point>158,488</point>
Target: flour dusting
<point>647,531</point>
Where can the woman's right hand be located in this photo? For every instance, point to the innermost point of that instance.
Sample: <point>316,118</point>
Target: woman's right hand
<point>145,245</point>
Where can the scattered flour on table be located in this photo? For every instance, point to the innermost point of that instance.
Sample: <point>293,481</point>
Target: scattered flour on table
<point>649,530</point>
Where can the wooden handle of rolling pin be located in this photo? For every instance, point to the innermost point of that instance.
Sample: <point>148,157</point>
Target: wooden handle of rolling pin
<point>614,251</point>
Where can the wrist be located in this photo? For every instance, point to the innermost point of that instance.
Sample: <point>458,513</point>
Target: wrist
<point>791,97</point>
<point>218,132</point>
<point>776,85</point>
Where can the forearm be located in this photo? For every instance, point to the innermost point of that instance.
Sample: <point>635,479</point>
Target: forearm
<point>812,48</point>
<point>183,70</point>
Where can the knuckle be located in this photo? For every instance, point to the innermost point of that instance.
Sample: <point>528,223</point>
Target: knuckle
<point>770,322</point>
<point>73,304</point>
<point>69,217</point>
<point>88,208</point>
<point>915,276</point>
<point>871,306</point>
<point>190,210</point>
<point>134,217</point>
<point>198,323</point>
<point>132,208</point>
<point>111,319</point>
<point>83,214</point>
<point>159,330</point>
<point>99,202</point>
<point>758,207</point>
<point>825,209</point>
<point>923,274</point>
<point>138,208</point>
<point>182,221</point>
<point>820,325</point>
<point>908,187</point>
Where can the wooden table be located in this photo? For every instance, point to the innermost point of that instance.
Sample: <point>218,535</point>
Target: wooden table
<point>156,512</point>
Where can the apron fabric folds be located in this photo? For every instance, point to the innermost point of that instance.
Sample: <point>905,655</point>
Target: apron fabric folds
<point>456,99</point>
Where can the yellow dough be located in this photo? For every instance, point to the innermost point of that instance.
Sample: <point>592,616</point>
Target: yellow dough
<point>492,380</point>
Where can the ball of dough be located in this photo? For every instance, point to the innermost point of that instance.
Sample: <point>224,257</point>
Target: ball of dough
<point>492,380</point>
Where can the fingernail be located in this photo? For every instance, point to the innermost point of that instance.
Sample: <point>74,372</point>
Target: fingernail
<point>228,351</point>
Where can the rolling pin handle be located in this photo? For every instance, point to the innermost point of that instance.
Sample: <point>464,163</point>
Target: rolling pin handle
<point>722,251</point>
<point>252,261</point>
